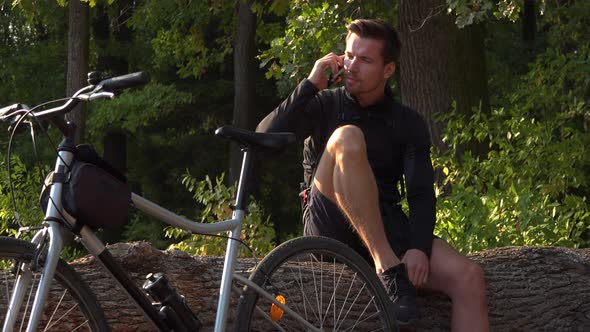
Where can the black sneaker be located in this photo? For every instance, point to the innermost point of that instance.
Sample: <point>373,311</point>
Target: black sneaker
<point>402,293</point>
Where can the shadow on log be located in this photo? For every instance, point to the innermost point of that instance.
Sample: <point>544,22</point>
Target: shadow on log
<point>529,288</point>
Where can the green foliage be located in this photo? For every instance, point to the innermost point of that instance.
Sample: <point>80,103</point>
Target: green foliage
<point>137,108</point>
<point>314,28</point>
<point>142,228</point>
<point>527,190</point>
<point>32,53</point>
<point>558,80</point>
<point>468,12</point>
<point>532,187</point>
<point>26,181</point>
<point>216,200</point>
<point>193,36</point>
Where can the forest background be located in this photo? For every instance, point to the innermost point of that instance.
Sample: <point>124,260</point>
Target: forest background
<point>503,85</point>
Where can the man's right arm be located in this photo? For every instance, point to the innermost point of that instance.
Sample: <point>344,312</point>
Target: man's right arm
<point>294,113</point>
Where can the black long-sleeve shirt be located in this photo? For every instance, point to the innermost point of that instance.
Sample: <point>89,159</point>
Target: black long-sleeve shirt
<point>397,140</point>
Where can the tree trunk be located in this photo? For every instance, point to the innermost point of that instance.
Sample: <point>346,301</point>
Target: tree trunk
<point>112,38</point>
<point>244,73</point>
<point>78,40</point>
<point>529,23</point>
<point>528,288</point>
<point>439,63</point>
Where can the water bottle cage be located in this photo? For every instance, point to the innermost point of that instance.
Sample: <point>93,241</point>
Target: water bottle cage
<point>177,314</point>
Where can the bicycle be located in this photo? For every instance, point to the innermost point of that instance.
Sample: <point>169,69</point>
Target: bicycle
<point>308,283</point>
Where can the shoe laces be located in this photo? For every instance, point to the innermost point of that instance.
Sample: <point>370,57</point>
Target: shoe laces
<point>397,283</point>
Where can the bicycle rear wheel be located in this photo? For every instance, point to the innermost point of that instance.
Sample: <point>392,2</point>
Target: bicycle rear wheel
<point>324,281</point>
<point>71,305</point>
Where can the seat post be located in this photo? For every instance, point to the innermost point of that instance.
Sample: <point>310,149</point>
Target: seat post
<point>242,192</point>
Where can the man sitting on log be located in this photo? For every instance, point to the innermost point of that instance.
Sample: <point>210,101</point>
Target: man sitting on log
<point>359,144</point>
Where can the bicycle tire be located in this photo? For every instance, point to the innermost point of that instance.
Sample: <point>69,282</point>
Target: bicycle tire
<point>295,268</point>
<point>70,295</point>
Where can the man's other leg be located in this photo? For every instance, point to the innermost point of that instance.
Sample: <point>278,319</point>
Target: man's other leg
<point>345,177</point>
<point>464,282</point>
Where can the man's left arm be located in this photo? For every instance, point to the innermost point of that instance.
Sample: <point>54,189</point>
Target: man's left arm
<point>419,177</point>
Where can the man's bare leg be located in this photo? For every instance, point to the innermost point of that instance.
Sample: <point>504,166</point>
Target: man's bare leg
<point>464,282</point>
<point>345,177</point>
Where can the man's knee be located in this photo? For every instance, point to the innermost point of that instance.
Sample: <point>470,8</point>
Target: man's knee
<point>471,278</point>
<point>347,139</point>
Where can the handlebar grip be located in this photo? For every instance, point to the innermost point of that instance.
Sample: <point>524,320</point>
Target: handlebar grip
<point>124,81</point>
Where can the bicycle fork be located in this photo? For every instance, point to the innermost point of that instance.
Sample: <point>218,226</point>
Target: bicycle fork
<point>52,234</point>
<point>25,278</point>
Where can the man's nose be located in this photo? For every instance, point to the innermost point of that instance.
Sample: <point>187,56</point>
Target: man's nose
<point>350,64</point>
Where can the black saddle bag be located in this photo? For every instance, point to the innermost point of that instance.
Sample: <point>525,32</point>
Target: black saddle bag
<point>93,192</point>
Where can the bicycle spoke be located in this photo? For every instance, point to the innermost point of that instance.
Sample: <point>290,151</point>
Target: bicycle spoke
<point>361,315</point>
<point>64,315</point>
<point>351,303</point>
<point>335,289</point>
<point>8,291</point>
<point>85,323</point>
<point>49,324</point>
<point>315,287</point>
<point>346,297</point>
<point>28,302</point>
<point>305,296</point>
<point>321,321</point>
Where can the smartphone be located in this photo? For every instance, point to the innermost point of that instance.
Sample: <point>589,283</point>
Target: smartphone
<point>333,77</point>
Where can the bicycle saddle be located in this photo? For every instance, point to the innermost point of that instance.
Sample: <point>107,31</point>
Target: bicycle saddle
<point>251,139</point>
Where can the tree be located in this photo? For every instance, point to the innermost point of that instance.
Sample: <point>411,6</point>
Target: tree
<point>32,51</point>
<point>244,73</point>
<point>78,50</point>
<point>440,64</point>
<point>113,38</point>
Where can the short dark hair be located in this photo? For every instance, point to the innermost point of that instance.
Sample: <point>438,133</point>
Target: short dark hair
<point>378,29</point>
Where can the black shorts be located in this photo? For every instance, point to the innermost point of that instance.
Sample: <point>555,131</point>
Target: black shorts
<point>322,217</point>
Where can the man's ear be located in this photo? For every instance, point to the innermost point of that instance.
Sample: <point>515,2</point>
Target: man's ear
<point>389,70</point>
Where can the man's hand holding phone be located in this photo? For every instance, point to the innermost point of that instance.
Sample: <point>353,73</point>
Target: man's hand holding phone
<point>327,71</point>
<point>336,78</point>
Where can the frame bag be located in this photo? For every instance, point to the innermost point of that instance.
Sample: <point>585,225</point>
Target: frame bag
<point>92,195</point>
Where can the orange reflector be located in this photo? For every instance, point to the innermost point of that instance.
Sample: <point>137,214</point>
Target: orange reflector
<point>275,312</point>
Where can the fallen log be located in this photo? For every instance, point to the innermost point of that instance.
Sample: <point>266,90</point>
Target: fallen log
<point>528,288</point>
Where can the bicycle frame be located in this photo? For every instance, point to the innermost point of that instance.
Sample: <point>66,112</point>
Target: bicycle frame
<point>52,233</point>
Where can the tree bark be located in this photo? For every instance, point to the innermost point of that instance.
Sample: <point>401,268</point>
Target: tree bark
<point>528,288</point>
<point>245,82</point>
<point>440,63</point>
<point>78,41</point>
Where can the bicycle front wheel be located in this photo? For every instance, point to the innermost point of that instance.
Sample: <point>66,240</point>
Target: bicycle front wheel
<point>324,281</point>
<point>70,306</point>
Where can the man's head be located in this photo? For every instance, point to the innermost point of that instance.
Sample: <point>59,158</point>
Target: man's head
<point>378,30</point>
<point>372,50</point>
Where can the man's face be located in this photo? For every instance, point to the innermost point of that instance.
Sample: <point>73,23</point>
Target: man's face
<point>366,72</point>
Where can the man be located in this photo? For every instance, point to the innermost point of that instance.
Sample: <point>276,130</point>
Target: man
<point>359,144</point>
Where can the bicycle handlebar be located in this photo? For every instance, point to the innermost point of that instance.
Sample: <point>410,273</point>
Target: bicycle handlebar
<point>124,81</point>
<point>91,92</point>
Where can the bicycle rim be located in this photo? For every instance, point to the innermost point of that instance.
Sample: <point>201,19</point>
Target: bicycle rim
<point>71,306</point>
<point>325,282</point>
